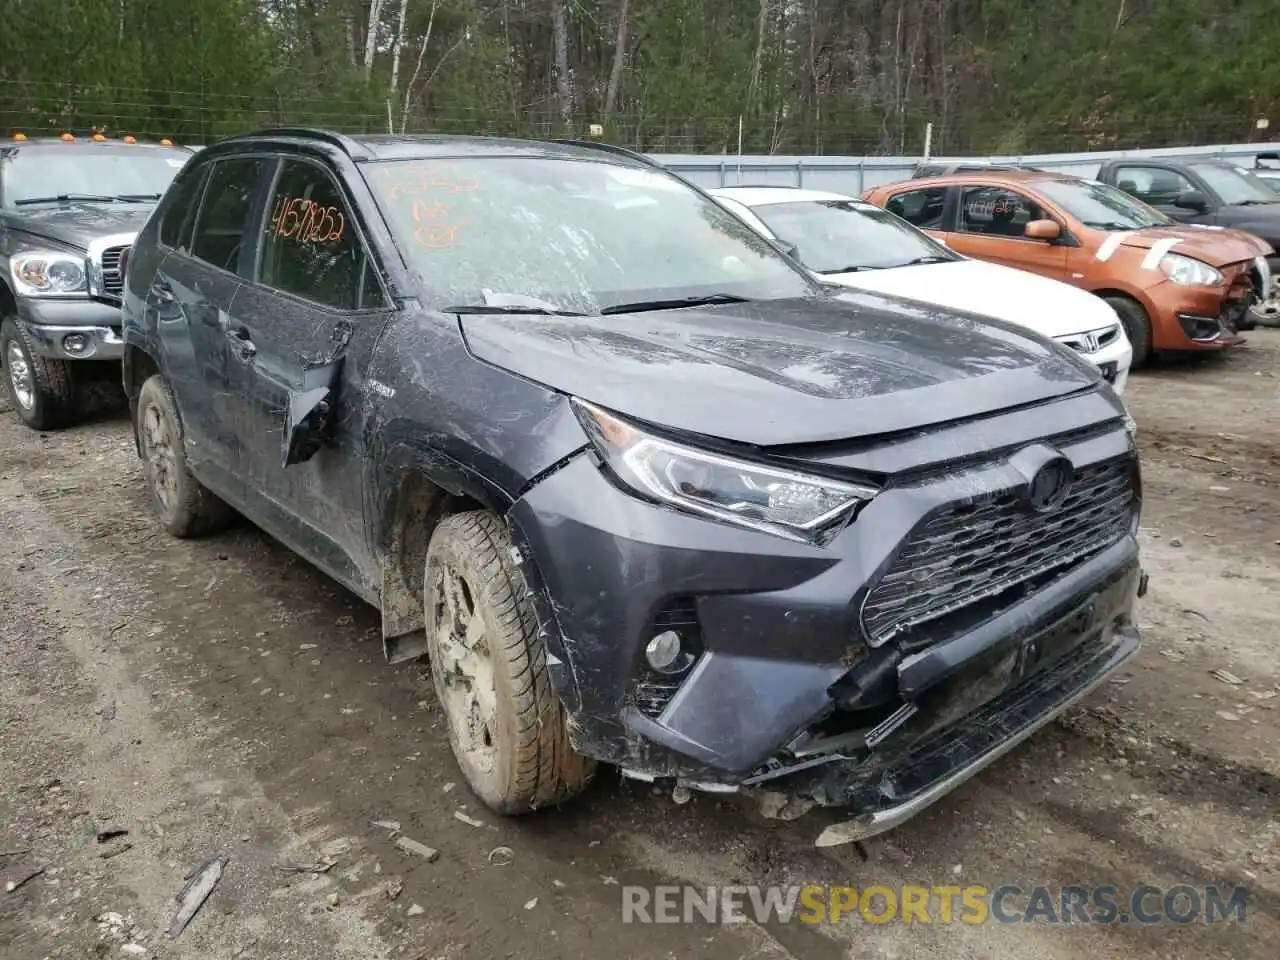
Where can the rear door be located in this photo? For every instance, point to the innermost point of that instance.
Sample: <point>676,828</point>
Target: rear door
<point>310,321</point>
<point>990,225</point>
<point>926,208</point>
<point>194,294</point>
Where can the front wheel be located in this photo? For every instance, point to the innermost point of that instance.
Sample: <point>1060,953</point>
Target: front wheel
<point>1137,327</point>
<point>506,725</point>
<point>40,388</point>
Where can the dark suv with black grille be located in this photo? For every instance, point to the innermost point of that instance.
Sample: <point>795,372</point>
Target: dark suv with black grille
<point>641,490</point>
<point>69,209</point>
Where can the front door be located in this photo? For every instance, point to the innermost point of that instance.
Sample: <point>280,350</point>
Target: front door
<point>1160,187</point>
<point>990,225</point>
<point>309,324</point>
<point>194,294</point>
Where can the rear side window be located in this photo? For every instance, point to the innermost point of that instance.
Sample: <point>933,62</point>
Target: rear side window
<point>310,247</point>
<point>225,212</point>
<point>180,211</point>
<point>923,208</point>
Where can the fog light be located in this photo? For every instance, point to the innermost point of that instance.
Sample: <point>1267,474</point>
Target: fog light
<point>77,345</point>
<point>666,653</point>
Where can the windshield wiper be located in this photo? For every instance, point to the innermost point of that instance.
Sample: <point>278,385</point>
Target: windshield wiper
<point>137,197</point>
<point>928,258</point>
<point>855,268</point>
<point>675,304</point>
<point>66,198</point>
<point>507,308</point>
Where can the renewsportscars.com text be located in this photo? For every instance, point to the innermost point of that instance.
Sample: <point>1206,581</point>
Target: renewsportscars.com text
<point>972,904</point>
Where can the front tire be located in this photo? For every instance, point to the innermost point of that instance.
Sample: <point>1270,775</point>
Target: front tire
<point>506,725</point>
<point>40,389</point>
<point>1137,327</point>
<point>185,507</point>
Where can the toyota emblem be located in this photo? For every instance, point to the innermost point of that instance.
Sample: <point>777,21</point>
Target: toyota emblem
<point>1050,485</point>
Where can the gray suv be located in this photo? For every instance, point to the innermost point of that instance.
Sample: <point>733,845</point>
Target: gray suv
<point>69,209</point>
<point>640,489</point>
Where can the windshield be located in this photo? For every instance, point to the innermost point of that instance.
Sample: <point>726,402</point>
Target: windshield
<point>1100,206</point>
<point>102,172</point>
<point>838,236</point>
<point>578,235</point>
<point>1233,186</point>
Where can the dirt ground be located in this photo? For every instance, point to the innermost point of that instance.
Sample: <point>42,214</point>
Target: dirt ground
<point>222,696</point>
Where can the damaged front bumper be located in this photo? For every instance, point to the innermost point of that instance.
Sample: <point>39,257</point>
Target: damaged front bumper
<point>818,670</point>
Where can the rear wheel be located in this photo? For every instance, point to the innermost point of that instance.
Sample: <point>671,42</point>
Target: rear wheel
<point>506,725</point>
<point>40,388</point>
<point>185,507</point>
<point>1137,326</point>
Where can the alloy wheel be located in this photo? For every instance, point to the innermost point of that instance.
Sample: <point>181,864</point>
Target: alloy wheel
<point>160,456</point>
<point>20,376</point>
<point>463,671</point>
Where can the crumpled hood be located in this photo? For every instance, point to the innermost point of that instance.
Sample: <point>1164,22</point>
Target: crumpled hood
<point>78,224</point>
<point>784,372</point>
<point>1049,307</point>
<point>1216,246</point>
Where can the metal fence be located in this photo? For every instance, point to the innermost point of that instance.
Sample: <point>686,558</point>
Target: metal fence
<point>852,175</point>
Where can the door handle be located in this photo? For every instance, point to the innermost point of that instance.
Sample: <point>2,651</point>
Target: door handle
<point>161,292</point>
<point>243,347</point>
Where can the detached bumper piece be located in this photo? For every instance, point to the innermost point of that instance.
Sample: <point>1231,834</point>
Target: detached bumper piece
<point>960,705</point>
<point>891,794</point>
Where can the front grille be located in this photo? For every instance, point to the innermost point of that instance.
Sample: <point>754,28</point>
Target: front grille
<point>967,552</point>
<point>112,275</point>
<point>1092,341</point>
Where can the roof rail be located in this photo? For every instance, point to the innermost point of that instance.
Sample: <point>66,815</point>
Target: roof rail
<point>609,148</point>
<point>353,148</point>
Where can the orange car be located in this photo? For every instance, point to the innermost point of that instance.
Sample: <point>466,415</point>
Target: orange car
<point>1175,286</point>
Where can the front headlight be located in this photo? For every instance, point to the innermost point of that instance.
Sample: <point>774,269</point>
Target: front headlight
<point>45,274</point>
<point>1187,272</point>
<point>770,499</point>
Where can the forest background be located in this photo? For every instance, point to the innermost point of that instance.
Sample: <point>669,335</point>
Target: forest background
<point>859,77</point>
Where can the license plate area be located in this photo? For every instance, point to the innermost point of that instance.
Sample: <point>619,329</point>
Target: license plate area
<point>1058,640</point>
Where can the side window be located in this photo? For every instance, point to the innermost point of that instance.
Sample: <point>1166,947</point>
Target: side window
<point>180,208</point>
<point>1151,184</point>
<point>310,247</point>
<point>224,214</point>
<point>923,208</point>
<point>997,212</point>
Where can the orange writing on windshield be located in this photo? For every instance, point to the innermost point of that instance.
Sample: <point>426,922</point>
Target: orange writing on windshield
<point>418,182</point>
<point>433,229</point>
<point>306,221</point>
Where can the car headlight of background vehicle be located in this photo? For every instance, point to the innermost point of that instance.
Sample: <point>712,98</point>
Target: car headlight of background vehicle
<point>1187,272</point>
<point>44,273</point>
<point>771,499</point>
